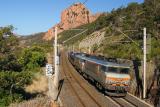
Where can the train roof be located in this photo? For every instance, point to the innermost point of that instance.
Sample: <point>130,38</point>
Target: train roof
<point>101,62</point>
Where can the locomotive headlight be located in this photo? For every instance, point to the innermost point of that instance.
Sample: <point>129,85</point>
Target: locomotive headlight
<point>108,81</point>
<point>126,82</point>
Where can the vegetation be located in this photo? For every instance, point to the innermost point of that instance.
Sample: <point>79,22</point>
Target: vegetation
<point>36,40</point>
<point>33,57</point>
<point>33,39</point>
<point>17,66</point>
<point>135,17</point>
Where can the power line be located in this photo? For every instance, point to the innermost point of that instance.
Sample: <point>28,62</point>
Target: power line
<point>75,36</point>
<point>85,2</point>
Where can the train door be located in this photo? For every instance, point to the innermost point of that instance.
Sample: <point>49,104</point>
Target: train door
<point>76,62</point>
<point>82,65</point>
<point>102,73</point>
<point>98,74</point>
<point>91,69</point>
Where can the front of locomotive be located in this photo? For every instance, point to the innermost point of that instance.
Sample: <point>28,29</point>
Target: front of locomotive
<point>117,80</point>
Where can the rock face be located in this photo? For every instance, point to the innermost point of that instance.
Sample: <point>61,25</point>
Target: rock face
<point>74,16</point>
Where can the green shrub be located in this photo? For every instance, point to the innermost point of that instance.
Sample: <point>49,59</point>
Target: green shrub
<point>33,57</point>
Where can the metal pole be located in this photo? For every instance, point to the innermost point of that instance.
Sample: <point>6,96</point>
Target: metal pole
<point>79,47</point>
<point>73,48</point>
<point>56,59</point>
<point>144,63</point>
<point>89,50</point>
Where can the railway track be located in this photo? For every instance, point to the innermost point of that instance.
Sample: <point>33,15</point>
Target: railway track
<point>130,101</point>
<point>123,103</point>
<point>87,96</point>
<point>77,88</point>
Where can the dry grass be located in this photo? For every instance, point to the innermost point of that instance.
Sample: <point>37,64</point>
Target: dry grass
<point>39,85</point>
<point>37,102</point>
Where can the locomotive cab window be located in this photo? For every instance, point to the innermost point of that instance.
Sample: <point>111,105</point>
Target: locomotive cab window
<point>124,70</point>
<point>103,68</point>
<point>113,69</point>
<point>118,70</point>
<point>81,60</point>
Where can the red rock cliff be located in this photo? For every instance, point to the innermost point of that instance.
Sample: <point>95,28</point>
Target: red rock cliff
<point>74,16</point>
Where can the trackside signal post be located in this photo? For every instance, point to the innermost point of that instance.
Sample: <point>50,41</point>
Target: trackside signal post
<point>53,82</point>
<point>144,63</point>
<point>56,61</point>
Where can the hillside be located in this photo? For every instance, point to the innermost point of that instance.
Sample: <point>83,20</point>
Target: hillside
<point>31,39</point>
<point>119,34</point>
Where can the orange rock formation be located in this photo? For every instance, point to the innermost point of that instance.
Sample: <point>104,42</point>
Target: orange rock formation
<point>74,16</point>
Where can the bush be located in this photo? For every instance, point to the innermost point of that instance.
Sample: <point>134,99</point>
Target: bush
<point>11,83</point>
<point>33,57</point>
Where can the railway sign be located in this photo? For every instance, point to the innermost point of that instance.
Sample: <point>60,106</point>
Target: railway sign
<point>57,60</point>
<point>49,69</point>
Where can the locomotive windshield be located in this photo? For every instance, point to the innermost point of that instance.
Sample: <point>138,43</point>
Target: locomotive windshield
<point>118,70</point>
<point>112,69</point>
<point>124,70</point>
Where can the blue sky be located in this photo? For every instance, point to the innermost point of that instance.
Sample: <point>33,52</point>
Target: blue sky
<point>32,16</point>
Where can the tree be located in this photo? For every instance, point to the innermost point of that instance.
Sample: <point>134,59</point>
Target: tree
<point>8,47</point>
<point>33,57</point>
<point>12,83</point>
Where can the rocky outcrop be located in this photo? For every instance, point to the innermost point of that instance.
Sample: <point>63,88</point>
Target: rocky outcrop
<point>74,16</point>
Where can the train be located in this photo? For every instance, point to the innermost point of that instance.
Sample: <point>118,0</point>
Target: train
<point>108,76</point>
